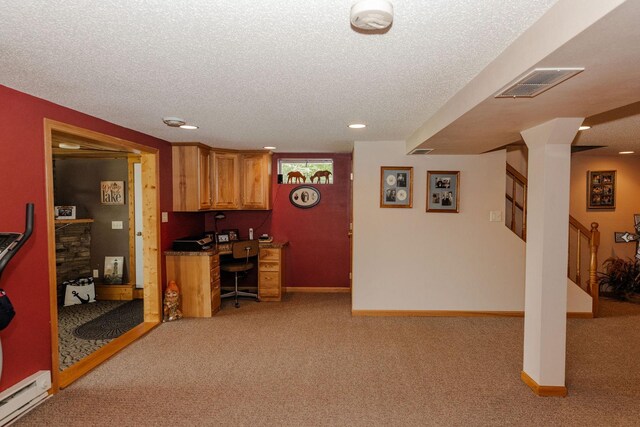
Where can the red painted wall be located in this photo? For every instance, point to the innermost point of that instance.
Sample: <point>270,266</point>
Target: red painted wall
<point>319,253</point>
<point>26,343</point>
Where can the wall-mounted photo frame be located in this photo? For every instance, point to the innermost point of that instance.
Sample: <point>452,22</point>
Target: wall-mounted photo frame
<point>443,191</point>
<point>396,187</point>
<point>601,189</point>
<point>112,192</point>
<point>304,197</point>
<point>65,212</point>
<point>234,234</point>
<point>113,270</point>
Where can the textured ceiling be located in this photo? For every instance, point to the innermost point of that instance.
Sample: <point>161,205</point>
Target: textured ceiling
<point>250,73</point>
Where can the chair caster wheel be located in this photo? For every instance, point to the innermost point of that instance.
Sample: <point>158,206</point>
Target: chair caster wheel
<point>237,305</point>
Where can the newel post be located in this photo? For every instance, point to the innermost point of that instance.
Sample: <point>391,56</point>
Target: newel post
<point>593,268</point>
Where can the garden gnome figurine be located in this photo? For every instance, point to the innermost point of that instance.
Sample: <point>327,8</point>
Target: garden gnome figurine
<point>171,303</point>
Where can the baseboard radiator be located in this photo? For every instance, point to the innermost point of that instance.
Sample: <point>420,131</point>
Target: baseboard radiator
<point>22,397</point>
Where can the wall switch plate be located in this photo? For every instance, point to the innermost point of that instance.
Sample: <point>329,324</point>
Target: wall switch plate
<point>164,217</point>
<point>96,274</point>
<point>495,216</point>
<point>116,225</point>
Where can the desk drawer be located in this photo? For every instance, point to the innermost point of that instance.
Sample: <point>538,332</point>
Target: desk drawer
<point>269,266</point>
<point>215,274</point>
<point>269,280</point>
<point>270,255</point>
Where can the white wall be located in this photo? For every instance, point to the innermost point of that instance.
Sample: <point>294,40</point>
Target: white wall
<point>408,259</point>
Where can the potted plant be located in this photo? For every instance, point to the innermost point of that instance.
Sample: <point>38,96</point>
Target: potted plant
<point>621,278</point>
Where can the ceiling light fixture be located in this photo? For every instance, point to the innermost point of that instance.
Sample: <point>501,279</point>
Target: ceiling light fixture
<point>585,127</point>
<point>357,126</point>
<point>190,127</point>
<point>69,146</point>
<point>174,122</point>
<point>372,15</point>
<point>626,152</point>
<point>269,147</point>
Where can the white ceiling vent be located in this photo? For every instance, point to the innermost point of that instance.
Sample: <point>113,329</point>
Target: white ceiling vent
<point>421,151</point>
<point>537,81</point>
<point>372,14</point>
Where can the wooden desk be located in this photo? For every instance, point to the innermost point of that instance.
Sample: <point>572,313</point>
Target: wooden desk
<point>198,277</point>
<point>271,269</point>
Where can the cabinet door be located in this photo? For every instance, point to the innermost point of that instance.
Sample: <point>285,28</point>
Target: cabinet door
<point>205,178</point>
<point>255,181</point>
<point>226,183</point>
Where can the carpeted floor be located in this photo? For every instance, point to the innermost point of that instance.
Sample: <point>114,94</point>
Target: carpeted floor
<point>72,349</point>
<point>306,362</point>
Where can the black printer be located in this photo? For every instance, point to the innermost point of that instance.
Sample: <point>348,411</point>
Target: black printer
<point>193,244</point>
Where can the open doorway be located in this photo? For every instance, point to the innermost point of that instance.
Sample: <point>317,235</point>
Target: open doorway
<point>116,278</point>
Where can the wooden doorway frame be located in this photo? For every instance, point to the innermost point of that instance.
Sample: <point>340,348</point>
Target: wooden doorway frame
<point>149,158</point>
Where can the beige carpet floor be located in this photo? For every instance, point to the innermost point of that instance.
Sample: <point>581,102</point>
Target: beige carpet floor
<point>307,362</point>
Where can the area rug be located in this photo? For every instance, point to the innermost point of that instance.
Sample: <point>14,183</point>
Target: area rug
<point>113,323</point>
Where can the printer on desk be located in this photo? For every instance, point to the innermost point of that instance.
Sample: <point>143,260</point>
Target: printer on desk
<point>193,244</point>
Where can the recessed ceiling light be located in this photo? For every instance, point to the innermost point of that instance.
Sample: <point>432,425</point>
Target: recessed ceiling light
<point>69,146</point>
<point>585,127</point>
<point>626,152</point>
<point>268,147</point>
<point>190,127</point>
<point>357,126</point>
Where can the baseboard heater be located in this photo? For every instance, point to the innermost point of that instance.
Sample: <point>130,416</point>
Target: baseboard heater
<point>22,397</point>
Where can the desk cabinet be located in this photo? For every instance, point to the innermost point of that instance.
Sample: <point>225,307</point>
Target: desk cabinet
<point>271,271</point>
<point>198,277</point>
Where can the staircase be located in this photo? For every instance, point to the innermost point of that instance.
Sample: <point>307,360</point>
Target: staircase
<point>583,242</point>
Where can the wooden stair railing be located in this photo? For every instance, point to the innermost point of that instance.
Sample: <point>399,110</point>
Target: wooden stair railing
<point>592,238</point>
<point>518,207</point>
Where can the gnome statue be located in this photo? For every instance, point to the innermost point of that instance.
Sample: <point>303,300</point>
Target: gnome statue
<point>171,303</point>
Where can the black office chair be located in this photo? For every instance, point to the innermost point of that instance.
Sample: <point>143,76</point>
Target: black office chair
<point>241,251</point>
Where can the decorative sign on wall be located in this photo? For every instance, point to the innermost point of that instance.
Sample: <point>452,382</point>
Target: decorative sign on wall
<point>112,192</point>
<point>304,197</point>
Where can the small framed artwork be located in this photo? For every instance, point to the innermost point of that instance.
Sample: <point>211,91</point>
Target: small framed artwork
<point>304,197</point>
<point>65,212</point>
<point>113,269</point>
<point>443,191</point>
<point>234,234</point>
<point>396,187</point>
<point>601,189</point>
<point>112,192</point>
<point>222,238</point>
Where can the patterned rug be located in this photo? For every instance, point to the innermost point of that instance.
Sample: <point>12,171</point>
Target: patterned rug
<point>113,323</point>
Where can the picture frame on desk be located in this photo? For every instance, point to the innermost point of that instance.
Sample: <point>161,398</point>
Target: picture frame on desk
<point>222,237</point>
<point>234,234</point>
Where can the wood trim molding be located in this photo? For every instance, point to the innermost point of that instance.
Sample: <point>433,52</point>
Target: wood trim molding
<point>453,313</point>
<point>318,289</point>
<point>80,368</point>
<point>543,390</point>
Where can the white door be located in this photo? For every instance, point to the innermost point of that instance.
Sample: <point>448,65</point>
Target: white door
<point>137,187</point>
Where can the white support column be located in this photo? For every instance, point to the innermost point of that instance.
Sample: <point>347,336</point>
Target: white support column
<point>545,321</point>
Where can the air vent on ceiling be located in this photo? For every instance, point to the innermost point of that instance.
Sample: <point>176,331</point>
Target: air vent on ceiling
<point>421,151</point>
<point>537,81</point>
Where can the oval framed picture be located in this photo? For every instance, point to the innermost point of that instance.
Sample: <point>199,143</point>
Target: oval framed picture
<point>304,197</point>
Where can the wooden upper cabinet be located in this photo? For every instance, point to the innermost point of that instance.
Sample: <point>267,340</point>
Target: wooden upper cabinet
<point>191,172</point>
<point>226,180</point>
<point>255,180</point>
<point>208,179</point>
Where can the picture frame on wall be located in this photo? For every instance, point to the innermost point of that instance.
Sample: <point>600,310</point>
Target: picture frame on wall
<point>112,192</point>
<point>396,187</point>
<point>443,191</point>
<point>601,189</point>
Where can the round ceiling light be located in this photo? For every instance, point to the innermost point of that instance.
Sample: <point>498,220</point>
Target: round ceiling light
<point>174,122</point>
<point>269,147</point>
<point>357,126</point>
<point>190,127</point>
<point>585,127</point>
<point>372,14</point>
<point>69,146</point>
<point>626,152</point>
